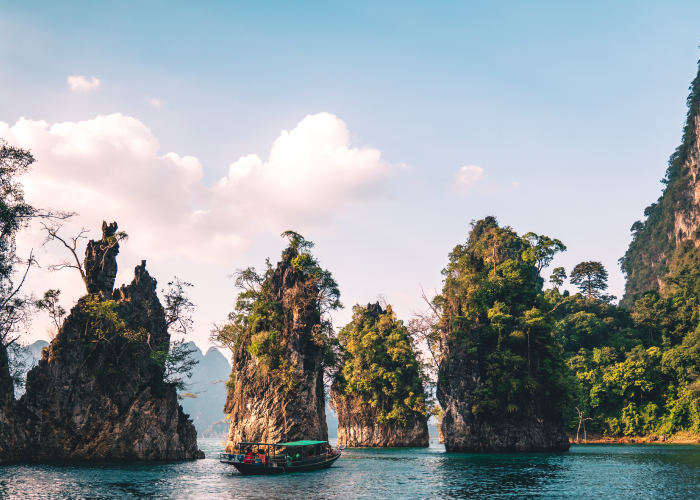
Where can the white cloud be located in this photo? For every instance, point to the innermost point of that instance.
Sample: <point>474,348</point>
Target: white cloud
<point>156,103</point>
<point>466,178</point>
<point>109,168</point>
<point>81,84</point>
<point>311,173</point>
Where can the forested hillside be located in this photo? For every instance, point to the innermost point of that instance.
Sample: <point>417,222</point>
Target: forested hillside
<point>634,373</point>
<point>668,239</point>
<point>636,365</point>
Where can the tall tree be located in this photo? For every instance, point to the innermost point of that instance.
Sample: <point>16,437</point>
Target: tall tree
<point>557,278</point>
<point>16,308</point>
<point>590,277</point>
<point>541,250</point>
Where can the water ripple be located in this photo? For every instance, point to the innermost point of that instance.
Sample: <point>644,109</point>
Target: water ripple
<point>593,471</point>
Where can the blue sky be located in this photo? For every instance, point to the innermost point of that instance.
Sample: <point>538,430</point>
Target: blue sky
<point>578,103</point>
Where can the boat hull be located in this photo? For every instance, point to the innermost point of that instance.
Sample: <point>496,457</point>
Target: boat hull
<point>259,470</point>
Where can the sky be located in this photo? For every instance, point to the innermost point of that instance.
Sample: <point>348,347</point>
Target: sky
<point>378,130</point>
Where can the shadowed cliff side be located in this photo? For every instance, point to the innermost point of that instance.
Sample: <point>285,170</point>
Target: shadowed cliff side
<point>378,391</point>
<point>281,342</point>
<point>98,392</point>
<point>11,441</point>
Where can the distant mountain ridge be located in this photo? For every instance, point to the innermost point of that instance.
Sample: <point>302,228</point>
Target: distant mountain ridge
<point>208,383</point>
<point>670,236</point>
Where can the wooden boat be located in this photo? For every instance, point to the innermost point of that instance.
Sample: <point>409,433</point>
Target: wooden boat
<point>280,458</point>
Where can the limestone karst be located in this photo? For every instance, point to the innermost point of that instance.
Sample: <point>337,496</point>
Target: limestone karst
<point>378,391</point>
<point>668,240</point>
<point>280,340</point>
<point>98,392</point>
<point>501,380</point>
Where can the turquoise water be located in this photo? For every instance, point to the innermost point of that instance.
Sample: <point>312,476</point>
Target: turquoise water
<point>590,471</point>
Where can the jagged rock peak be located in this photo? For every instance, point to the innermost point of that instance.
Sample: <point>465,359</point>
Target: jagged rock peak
<point>258,405</point>
<point>98,392</point>
<point>101,261</point>
<point>374,310</point>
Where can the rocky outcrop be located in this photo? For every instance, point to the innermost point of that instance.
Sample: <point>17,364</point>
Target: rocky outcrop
<point>101,262</point>
<point>534,429</point>
<point>358,427</point>
<point>501,375</point>
<point>669,237</point>
<point>12,439</point>
<point>98,391</point>
<point>379,383</point>
<point>284,402</point>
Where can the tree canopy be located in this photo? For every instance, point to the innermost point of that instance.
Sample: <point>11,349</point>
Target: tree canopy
<point>260,324</point>
<point>490,304</point>
<point>379,366</point>
<point>590,277</point>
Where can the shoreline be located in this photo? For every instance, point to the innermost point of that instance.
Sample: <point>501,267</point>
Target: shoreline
<point>680,438</point>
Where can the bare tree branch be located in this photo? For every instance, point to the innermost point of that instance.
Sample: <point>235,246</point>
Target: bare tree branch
<point>71,245</point>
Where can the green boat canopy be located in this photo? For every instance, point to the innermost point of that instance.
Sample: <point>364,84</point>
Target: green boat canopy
<point>291,443</point>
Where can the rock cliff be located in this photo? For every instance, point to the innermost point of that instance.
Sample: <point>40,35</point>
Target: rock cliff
<point>276,390</point>
<point>379,383</point>
<point>12,439</point>
<point>98,391</point>
<point>534,429</point>
<point>358,427</point>
<point>669,237</point>
<point>501,375</point>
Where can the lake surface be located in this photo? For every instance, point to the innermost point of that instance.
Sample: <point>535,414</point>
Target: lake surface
<point>587,471</point>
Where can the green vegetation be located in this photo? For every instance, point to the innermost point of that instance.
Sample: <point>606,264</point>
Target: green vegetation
<point>655,252</point>
<point>378,366</point>
<point>636,365</point>
<point>620,371</point>
<point>492,308</point>
<point>635,372</point>
<point>273,307</point>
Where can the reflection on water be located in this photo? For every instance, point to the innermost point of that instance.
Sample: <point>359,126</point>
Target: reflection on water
<point>593,471</point>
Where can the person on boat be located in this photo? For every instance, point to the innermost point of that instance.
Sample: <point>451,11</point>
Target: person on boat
<point>329,451</point>
<point>248,456</point>
<point>262,457</point>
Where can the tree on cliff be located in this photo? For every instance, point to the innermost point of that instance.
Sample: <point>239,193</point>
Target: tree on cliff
<point>259,319</point>
<point>282,341</point>
<point>668,237</point>
<point>590,277</point>
<point>107,245</point>
<point>495,326</point>
<point>50,303</point>
<point>16,308</point>
<point>379,368</point>
<point>541,251</point>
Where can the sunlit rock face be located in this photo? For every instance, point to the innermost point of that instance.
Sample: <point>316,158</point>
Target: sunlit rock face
<point>668,238</point>
<point>257,406</point>
<point>358,427</point>
<point>532,430</point>
<point>98,391</point>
